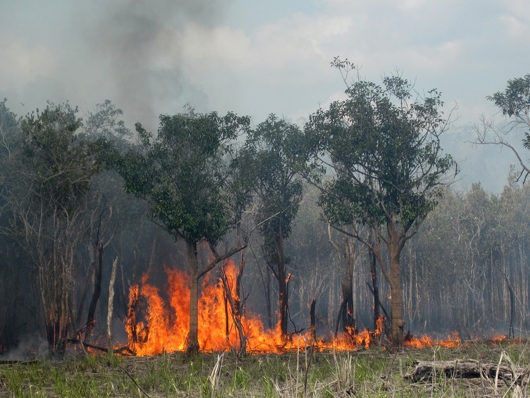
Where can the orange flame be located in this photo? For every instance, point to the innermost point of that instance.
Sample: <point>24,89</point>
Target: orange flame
<point>427,341</point>
<point>498,339</point>
<point>164,328</point>
<point>155,325</point>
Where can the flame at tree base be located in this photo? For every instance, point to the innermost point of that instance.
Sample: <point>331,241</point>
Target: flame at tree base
<point>155,326</point>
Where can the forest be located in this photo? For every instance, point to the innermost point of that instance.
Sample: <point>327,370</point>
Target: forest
<point>347,223</point>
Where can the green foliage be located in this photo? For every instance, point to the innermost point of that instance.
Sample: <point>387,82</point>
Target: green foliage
<point>182,174</point>
<point>105,125</point>
<point>264,166</point>
<point>385,152</point>
<point>515,100</point>
<point>60,162</point>
<point>515,103</point>
<point>9,130</point>
<point>9,143</point>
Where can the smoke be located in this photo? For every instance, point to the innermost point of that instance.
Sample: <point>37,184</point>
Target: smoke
<point>139,44</point>
<point>30,347</point>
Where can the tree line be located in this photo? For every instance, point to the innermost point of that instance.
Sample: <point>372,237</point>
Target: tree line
<point>365,175</point>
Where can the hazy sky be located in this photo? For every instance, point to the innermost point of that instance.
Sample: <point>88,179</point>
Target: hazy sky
<point>259,57</point>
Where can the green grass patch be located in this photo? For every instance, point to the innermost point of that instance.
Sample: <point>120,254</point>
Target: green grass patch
<point>373,373</point>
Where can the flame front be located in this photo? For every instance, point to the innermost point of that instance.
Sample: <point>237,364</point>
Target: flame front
<point>165,327</point>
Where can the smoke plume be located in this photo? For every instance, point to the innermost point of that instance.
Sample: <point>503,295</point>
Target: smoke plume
<point>134,39</point>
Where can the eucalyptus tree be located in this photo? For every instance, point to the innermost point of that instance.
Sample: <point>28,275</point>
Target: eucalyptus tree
<point>48,177</point>
<point>264,163</point>
<point>382,145</point>
<point>514,103</point>
<point>182,174</point>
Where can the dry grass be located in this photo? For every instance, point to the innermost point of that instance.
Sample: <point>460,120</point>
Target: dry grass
<point>368,373</point>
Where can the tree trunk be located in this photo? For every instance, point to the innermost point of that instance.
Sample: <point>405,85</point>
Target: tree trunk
<point>110,306</point>
<point>348,312</point>
<point>283,281</point>
<point>396,293</point>
<point>91,319</point>
<point>54,279</point>
<point>235,304</point>
<point>346,317</point>
<point>375,288</point>
<point>193,336</point>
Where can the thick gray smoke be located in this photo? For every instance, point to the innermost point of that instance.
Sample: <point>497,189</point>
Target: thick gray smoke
<point>130,36</point>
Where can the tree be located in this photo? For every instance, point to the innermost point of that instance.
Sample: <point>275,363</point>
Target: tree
<point>383,147</point>
<point>514,103</point>
<point>264,164</point>
<point>13,264</point>
<point>103,125</point>
<point>182,173</point>
<point>46,190</point>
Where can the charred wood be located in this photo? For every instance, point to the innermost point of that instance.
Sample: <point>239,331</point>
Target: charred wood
<point>465,369</point>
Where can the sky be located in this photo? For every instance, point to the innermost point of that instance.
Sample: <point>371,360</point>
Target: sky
<point>260,57</point>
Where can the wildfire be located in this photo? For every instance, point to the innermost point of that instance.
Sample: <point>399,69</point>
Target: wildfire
<point>452,341</point>
<point>155,325</point>
<point>164,327</point>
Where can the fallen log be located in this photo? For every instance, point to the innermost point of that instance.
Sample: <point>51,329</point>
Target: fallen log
<point>464,369</point>
<point>85,344</point>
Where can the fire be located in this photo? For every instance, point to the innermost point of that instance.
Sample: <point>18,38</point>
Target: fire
<point>498,339</point>
<point>156,325</point>
<point>164,327</point>
<point>452,341</point>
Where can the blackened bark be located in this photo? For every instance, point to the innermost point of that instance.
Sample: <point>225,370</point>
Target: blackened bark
<point>91,318</point>
<point>348,311</point>
<point>235,305</point>
<point>313,320</point>
<point>283,280</point>
<point>375,288</point>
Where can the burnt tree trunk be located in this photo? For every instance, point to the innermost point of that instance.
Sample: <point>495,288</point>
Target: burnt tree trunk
<point>375,288</point>
<point>234,301</point>
<point>283,281</point>
<point>346,315</point>
<point>91,318</point>
<point>348,312</point>
<point>313,320</point>
<point>276,261</point>
<point>468,369</point>
<point>130,321</point>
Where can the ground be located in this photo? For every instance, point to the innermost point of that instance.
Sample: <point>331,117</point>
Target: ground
<point>377,372</point>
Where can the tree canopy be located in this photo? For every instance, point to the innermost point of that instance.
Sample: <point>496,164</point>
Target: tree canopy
<point>180,172</point>
<point>514,102</point>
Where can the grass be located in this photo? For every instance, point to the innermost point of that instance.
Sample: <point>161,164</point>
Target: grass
<point>368,373</point>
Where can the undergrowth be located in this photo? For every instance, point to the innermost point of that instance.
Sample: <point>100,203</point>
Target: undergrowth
<point>369,373</point>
